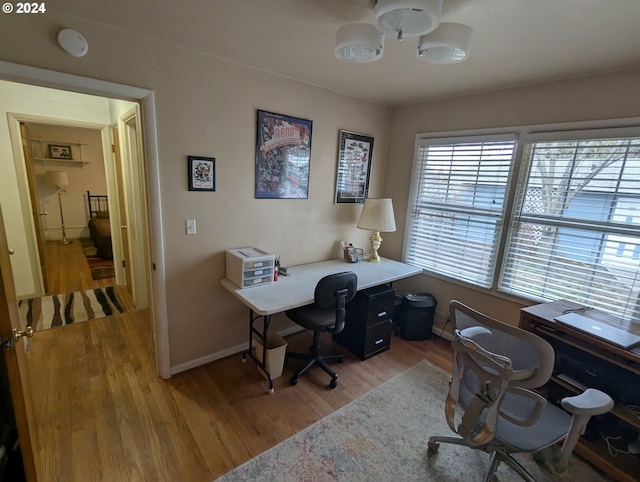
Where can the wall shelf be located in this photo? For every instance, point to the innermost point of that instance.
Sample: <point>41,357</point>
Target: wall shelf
<point>39,150</point>
<point>48,159</point>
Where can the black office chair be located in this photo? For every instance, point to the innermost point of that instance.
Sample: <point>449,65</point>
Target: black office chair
<point>327,314</point>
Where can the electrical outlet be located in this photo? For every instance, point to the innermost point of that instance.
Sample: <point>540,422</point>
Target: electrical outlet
<point>191,226</point>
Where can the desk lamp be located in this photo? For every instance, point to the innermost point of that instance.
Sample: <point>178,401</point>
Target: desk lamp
<point>59,179</point>
<point>377,215</point>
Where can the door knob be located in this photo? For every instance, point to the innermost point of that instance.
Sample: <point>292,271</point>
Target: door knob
<point>11,251</point>
<point>17,334</point>
<point>43,213</point>
<point>123,226</point>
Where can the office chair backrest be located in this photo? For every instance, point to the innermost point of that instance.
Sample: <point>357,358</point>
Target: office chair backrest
<point>532,358</point>
<point>336,290</point>
<point>495,365</point>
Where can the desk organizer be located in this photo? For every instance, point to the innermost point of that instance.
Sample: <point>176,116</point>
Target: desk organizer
<point>247,267</point>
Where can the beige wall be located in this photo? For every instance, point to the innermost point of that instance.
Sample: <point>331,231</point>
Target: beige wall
<point>207,107</point>
<point>613,96</point>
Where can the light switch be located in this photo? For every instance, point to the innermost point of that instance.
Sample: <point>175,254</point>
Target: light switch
<point>191,226</point>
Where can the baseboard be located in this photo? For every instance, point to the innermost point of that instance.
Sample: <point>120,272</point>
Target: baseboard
<point>198,362</point>
<point>441,333</point>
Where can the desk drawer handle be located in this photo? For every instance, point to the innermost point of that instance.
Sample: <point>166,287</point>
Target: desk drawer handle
<point>377,342</point>
<point>381,314</point>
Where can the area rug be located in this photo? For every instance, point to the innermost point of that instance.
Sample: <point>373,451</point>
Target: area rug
<point>100,268</point>
<point>58,310</point>
<point>382,436</point>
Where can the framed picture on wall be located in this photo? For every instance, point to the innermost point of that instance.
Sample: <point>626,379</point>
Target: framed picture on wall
<point>354,167</point>
<point>202,173</point>
<point>283,155</point>
<point>59,152</point>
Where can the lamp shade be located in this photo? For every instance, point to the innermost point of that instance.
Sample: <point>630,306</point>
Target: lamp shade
<point>57,178</point>
<point>448,44</point>
<point>359,42</point>
<point>408,18</point>
<point>377,215</point>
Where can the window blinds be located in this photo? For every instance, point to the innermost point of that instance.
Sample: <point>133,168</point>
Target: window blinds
<point>575,232</point>
<point>456,207</point>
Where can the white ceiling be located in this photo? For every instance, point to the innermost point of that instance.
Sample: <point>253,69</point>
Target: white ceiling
<point>516,42</point>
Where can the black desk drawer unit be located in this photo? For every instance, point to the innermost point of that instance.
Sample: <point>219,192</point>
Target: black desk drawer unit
<point>367,330</point>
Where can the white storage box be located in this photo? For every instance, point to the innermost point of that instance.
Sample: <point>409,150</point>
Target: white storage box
<point>247,267</point>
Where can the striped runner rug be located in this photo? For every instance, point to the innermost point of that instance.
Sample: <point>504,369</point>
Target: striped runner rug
<point>58,310</point>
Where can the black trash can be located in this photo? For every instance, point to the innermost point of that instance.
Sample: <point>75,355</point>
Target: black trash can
<point>415,316</point>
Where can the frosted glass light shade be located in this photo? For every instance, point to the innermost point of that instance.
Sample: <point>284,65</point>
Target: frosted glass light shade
<point>359,42</point>
<point>408,18</point>
<point>448,44</point>
<point>57,178</point>
<point>377,215</point>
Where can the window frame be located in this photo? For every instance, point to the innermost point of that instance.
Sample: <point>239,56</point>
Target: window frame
<point>614,128</point>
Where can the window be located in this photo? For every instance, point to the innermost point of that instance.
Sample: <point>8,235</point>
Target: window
<point>457,209</point>
<point>572,230</point>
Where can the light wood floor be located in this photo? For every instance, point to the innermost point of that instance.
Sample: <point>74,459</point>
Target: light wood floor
<point>67,271</point>
<point>104,415</point>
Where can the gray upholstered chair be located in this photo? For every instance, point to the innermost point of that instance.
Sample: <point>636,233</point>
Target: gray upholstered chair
<point>327,314</point>
<point>491,404</point>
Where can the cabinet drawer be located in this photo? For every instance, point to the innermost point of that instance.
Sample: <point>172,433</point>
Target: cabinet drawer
<point>265,263</point>
<point>380,308</point>
<point>254,273</point>
<point>377,339</point>
<point>257,281</point>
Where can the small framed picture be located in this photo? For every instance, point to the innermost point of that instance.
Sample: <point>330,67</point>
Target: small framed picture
<point>59,152</point>
<point>354,167</point>
<point>202,173</point>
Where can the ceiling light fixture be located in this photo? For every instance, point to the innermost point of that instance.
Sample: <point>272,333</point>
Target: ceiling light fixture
<point>448,44</point>
<point>440,43</point>
<point>408,18</point>
<point>359,42</point>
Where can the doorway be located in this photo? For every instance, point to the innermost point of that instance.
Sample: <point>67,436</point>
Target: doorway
<point>12,192</point>
<point>62,214</point>
<point>49,88</point>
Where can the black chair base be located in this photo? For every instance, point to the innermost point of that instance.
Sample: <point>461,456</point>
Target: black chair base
<point>315,358</point>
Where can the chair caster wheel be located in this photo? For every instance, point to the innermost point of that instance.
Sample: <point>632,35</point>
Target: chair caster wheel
<point>433,447</point>
<point>293,381</point>
<point>333,383</point>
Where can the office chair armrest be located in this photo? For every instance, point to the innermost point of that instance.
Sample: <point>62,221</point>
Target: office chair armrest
<point>590,402</point>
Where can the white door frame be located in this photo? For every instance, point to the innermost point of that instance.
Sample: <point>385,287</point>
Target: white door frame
<point>47,78</point>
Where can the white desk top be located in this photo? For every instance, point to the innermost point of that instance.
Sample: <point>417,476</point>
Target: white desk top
<point>298,287</point>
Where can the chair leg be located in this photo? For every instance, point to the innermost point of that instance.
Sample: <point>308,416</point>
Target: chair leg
<point>315,358</point>
<point>497,457</point>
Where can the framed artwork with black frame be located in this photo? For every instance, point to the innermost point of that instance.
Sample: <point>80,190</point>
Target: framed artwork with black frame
<point>59,152</point>
<point>202,173</point>
<point>283,155</point>
<point>354,167</point>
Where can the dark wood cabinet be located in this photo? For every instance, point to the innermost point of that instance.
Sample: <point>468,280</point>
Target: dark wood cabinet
<point>367,329</point>
<point>583,360</point>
